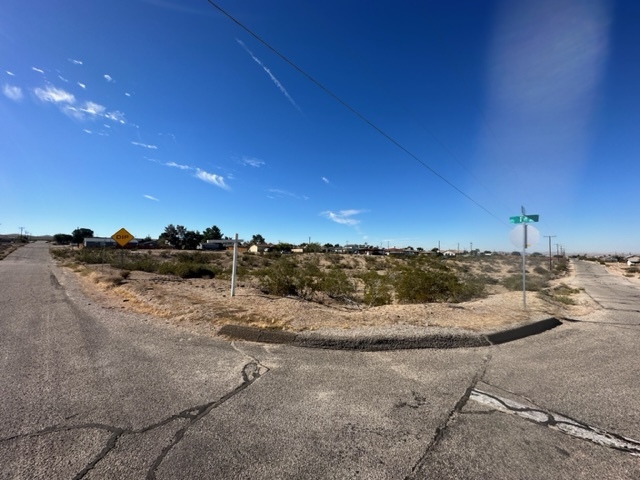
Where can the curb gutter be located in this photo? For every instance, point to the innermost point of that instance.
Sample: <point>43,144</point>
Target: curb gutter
<point>373,342</point>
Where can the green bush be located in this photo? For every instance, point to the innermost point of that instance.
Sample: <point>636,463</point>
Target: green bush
<point>540,270</point>
<point>279,278</point>
<point>377,289</point>
<point>187,270</point>
<point>415,285</point>
<point>308,279</point>
<point>533,283</point>
<point>336,284</point>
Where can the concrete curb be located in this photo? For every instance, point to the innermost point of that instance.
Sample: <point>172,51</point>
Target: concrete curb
<point>364,341</point>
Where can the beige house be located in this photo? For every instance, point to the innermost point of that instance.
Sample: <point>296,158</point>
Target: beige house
<point>259,248</point>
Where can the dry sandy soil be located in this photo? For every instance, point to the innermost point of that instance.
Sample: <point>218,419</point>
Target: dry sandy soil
<point>205,305</point>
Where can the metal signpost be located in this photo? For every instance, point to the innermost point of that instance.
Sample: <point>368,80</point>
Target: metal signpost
<point>122,237</point>
<point>524,219</point>
<point>235,261</point>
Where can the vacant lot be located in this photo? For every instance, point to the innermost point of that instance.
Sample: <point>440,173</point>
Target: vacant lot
<point>313,291</point>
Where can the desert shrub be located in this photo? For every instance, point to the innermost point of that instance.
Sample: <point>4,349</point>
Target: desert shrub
<point>533,283</point>
<point>142,264</point>
<point>124,274</point>
<point>91,255</point>
<point>336,284</point>
<point>279,278</point>
<point>540,270</point>
<point>414,285</point>
<point>188,270</point>
<point>632,270</point>
<point>61,253</point>
<point>308,279</point>
<point>377,289</point>
<point>192,257</point>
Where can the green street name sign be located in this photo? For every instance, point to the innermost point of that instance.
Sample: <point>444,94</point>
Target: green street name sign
<point>524,219</point>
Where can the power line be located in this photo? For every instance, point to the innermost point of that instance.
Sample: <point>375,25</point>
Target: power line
<point>352,110</point>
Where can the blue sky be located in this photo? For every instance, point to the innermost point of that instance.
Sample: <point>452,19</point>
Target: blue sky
<point>142,113</point>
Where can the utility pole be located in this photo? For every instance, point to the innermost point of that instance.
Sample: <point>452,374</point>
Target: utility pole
<point>557,249</point>
<point>550,256</point>
<point>470,248</point>
<point>21,229</point>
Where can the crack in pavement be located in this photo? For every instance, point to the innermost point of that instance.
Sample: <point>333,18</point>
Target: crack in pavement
<point>250,373</point>
<point>557,421</point>
<point>459,405</point>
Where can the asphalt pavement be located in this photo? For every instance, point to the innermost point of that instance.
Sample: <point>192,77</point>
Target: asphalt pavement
<point>95,392</point>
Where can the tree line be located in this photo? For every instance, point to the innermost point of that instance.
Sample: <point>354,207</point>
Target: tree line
<point>177,236</point>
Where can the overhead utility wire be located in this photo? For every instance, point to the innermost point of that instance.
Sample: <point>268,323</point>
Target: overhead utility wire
<point>351,109</point>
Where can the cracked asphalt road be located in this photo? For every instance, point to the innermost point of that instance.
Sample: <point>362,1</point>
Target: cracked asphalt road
<point>89,392</point>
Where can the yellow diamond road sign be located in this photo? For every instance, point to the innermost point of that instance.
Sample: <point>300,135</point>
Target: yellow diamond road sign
<point>122,237</point>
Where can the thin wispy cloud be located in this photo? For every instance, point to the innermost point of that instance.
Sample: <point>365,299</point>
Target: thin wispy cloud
<point>116,116</point>
<point>86,130</point>
<point>211,178</point>
<point>145,145</point>
<point>343,217</point>
<point>284,193</point>
<point>93,108</point>
<point>271,75</point>
<point>12,92</point>
<point>10,73</point>
<point>149,197</point>
<point>36,69</point>
<point>325,180</point>
<point>82,85</point>
<point>107,77</point>
<point>74,61</point>
<point>54,95</point>
<point>63,79</point>
<point>67,103</point>
<point>127,94</point>
<point>177,165</point>
<point>252,162</point>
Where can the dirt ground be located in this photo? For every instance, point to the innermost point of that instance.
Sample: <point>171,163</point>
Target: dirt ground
<point>205,305</point>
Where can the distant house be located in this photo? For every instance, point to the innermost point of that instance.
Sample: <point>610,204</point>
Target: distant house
<point>399,252</point>
<point>212,245</point>
<point>369,251</point>
<point>449,253</point>
<point>633,261</point>
<point>98,242</point>
<point>262,248</point>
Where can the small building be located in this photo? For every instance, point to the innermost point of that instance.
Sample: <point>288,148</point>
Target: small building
<point>261,248</point>
<point>97,242</point>
<point>633,261</point>
<point>449,253</point>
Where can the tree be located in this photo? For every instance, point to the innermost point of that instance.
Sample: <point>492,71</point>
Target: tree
<point>191,239</point>
<point>62,238</point>
<point>170,236</point>
<point>313,247</point>
<point>79,234</point>
<point>174,236</point>
<point>212,233</point>
<point>258,239</point>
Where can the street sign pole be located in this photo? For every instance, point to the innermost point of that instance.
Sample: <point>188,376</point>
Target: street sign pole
<point>233,269</point>
<point>122,237</point>
<point>524,219</point>
<point>524,269</point>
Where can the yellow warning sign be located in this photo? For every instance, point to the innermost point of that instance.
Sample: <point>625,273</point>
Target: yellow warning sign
<point>122,237</point>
